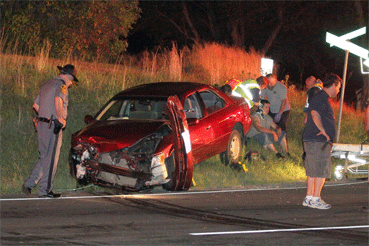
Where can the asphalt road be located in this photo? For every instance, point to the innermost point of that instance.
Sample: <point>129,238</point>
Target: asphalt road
<point>271,216</point>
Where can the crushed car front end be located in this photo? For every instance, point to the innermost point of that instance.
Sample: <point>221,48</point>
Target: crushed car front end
<point>136,167</point>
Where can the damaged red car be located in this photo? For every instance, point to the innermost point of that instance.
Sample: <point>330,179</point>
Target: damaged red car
<point>153,134</point>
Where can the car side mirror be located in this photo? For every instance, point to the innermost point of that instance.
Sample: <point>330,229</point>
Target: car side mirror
<point>192,121</point>
<point>89,119</point>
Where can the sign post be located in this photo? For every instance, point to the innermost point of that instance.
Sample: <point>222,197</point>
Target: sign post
<point>342,97</point>
<point>343,43</point>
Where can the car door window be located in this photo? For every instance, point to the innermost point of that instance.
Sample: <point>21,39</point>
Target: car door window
<point>212,101</point>
<point>192,107</point>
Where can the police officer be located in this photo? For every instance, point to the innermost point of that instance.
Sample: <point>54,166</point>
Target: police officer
<point>51,106</point>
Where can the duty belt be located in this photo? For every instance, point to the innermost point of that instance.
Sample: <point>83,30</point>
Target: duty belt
<point>43,119</point>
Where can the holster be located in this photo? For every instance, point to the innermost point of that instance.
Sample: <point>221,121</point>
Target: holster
<point>57,126</point>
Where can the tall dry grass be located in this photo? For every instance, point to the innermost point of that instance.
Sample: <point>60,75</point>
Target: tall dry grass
<point>164,63</point>
<point>207,63</point>
<point>175,63</point>
<point>222,62</point>
<point>42,56</point>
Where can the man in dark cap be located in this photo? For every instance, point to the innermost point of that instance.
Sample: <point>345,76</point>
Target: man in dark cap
<point>51,106</point>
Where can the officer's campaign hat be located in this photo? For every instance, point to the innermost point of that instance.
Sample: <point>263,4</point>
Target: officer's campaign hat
<point>69,69</point>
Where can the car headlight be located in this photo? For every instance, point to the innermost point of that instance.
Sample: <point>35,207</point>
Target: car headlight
<point>157,160</point>
<point>158,167</point>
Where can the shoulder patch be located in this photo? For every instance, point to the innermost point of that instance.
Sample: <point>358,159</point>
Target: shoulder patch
<point>63,89</point>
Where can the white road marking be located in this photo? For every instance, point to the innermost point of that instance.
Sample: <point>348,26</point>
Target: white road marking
<point>279,230</point>
<point>140,195</point>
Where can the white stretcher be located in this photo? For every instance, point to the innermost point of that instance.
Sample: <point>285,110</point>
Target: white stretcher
<point>355,155</point>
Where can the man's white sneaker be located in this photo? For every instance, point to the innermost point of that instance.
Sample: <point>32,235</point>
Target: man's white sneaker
<point>319,204</point>
<point>306,201</point>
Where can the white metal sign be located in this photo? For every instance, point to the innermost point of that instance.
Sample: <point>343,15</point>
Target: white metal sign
<point>266,66</point>
<point>347,45</point>
<point>366,63</point>
<point>353,34</point>
<point>343,43</point>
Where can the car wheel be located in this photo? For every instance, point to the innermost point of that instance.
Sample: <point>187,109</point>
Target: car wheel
<point>178,181</point>
<point>234,149</point>
<point>171,185</point>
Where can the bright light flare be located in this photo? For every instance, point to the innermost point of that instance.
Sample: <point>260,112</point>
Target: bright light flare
<point>266,66</point>
<point>338,172</point>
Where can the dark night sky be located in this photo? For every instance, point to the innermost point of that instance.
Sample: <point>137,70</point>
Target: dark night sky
<point>301,38</point>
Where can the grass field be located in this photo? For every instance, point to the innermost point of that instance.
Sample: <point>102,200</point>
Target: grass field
<point>22,75</point>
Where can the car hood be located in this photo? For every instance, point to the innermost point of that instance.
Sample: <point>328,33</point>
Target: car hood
<point>115,134</point>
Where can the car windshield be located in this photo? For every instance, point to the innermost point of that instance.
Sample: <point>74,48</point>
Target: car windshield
<point>133,108</point>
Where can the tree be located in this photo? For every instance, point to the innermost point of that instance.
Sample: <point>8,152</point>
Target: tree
<point>86,29</point>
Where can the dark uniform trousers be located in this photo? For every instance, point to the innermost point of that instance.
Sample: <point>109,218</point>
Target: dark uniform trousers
<point>49,149</point>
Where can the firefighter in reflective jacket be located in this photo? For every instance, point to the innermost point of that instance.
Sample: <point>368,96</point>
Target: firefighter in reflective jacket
<point>248,89</point>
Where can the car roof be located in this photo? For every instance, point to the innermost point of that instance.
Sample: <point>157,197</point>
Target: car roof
<point>164,89</point>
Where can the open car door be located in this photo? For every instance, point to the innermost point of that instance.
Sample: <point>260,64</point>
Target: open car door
<point>181,177</point>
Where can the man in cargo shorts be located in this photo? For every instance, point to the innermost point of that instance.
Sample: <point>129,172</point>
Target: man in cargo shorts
<point>318,137</point>
<point>51,106</point>
<point>367,116</point>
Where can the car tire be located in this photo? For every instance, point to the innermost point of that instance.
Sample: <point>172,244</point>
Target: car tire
<point>234,149</point>
<point>171,185</point>
<point>178,181</point>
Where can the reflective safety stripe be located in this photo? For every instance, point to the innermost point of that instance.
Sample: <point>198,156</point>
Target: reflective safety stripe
<point>249,86</point>
<point>236,94</point>
<point>249,95</point>
<point>244,90</point>
<point>248,103</point>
